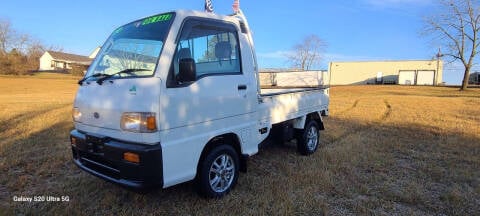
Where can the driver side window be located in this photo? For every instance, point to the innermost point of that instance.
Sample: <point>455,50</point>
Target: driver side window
<point>212,45</point>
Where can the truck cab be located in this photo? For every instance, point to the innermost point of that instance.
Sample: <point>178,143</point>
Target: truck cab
<point>176,97</point>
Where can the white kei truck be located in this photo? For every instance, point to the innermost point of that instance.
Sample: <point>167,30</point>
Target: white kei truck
<point>176,97</point>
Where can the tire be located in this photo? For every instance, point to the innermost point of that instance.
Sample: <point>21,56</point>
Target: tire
<point>308,138</point>
<point>218,172</point>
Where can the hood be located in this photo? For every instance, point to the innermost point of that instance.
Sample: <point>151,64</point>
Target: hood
<point>102,106</point>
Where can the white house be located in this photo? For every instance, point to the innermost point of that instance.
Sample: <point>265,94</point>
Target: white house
<point>52,60</point>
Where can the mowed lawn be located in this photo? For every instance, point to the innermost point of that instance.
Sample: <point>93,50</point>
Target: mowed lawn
<point>386,150</point>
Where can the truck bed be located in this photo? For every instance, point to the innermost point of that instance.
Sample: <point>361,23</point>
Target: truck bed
<point>282,104</point>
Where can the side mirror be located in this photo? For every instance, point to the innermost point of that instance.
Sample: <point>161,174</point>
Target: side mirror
<point>187,70</point>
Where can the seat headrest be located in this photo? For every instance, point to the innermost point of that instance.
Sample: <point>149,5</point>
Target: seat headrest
<point>184,53</point>
<point>223,50</point>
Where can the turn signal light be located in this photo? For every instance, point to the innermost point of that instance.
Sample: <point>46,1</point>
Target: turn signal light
<point>151,123</point>
<point>131,157</point>
<point>73,141</point>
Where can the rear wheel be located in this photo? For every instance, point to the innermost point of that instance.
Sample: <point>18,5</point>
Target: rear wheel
<point>218,172</point>
<point>308,138</point>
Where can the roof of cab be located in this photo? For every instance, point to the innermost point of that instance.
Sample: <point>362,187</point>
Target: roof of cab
<point>188,13</point>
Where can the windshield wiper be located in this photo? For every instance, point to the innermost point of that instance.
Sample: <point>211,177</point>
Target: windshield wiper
<point>127,71</point>
<point>80,82</point>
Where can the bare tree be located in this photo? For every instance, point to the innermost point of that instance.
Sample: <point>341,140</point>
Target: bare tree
<point>24,43</point>
<point>307,53</point>
<point>5,36</point>
<point>11,39</point>
<point>36,49</point>
<point>19,52</point>
<point>458,28</point>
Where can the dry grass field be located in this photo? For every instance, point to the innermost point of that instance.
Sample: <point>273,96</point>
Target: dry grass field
<point>387,150</point>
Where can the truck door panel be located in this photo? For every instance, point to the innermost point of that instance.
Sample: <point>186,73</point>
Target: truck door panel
<point>221,88</point>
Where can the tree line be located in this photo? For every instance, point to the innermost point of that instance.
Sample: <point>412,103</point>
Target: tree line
<point>19,52</point>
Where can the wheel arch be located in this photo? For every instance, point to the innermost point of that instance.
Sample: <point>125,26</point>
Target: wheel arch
<point>231,139</point>
<point>316,116</point>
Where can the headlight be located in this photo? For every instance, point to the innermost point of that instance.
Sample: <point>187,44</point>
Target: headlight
<point>76,114</point>
<point>139,122</point>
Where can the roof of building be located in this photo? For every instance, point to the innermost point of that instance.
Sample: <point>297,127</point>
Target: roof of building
<point>279,70</point>
<point>69,57</point>
<point>376,61</point>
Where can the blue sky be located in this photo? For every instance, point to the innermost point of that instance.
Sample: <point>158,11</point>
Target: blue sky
<point>353,29</point>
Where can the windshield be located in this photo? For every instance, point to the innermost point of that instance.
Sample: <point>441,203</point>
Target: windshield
<point>134,47</point>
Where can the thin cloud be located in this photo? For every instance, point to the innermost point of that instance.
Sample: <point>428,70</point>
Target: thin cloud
<point>279,54</point>
<point>279,58</point>
<point>397,3</point>
<point>329,57</point>
<point>326,57</point>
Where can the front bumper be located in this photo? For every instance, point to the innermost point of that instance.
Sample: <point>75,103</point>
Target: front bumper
<point>103,157</point>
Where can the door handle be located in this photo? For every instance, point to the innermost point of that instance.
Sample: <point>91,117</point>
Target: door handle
<point>242,87</point>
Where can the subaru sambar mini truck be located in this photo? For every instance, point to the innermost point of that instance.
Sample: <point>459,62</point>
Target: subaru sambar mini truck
<point>176,97</point>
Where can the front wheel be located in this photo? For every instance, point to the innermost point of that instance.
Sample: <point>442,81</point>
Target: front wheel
<point>218,172</point>
<point>308,138</point>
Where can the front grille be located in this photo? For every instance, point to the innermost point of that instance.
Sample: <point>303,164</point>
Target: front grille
<point>99,164</point>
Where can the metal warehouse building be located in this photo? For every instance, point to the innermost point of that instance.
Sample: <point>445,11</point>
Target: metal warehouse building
<point>409,72</point>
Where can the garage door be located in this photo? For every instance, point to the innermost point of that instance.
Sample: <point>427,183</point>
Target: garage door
<point>425,77</point>
<point>406,78</point>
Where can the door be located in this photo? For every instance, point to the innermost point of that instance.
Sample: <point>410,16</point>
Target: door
<point>406,78</point>
<point>379,79</point>
<point>425,77</point>
<point>222,95</point>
